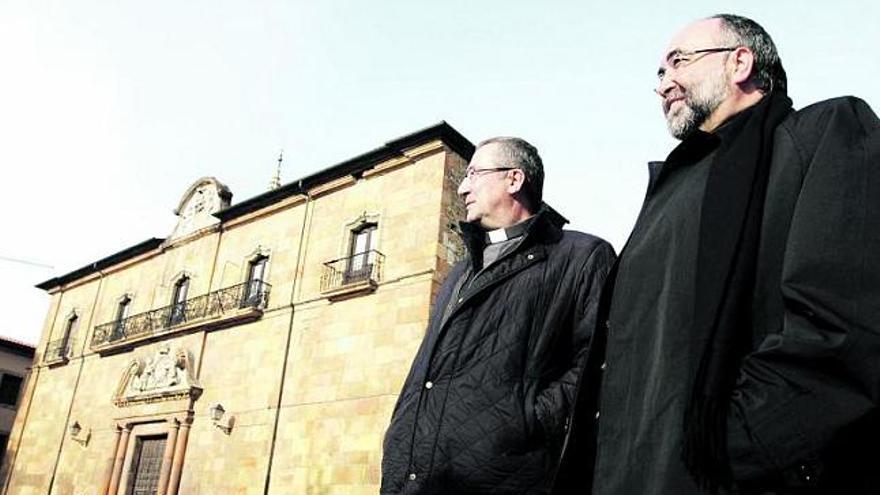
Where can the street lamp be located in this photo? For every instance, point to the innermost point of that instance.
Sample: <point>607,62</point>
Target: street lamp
<point>217,413</point>
<point>76,430</point>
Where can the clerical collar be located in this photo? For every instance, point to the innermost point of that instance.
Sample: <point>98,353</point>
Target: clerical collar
<point>501,235</point>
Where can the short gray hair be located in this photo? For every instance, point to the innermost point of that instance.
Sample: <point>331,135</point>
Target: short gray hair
<point>768,74</point>
<point>518,153</point>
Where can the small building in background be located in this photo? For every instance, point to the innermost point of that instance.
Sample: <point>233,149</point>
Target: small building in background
<point>16,359</point>
<point>258,348</point>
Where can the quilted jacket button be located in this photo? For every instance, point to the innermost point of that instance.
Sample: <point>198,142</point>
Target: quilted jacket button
<point>597,414</point>
<point>807,473</point>
<point>531,256</point>
<point>412,476</point>
<point>429,385</point>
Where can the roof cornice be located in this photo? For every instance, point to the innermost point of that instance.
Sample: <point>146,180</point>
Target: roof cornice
<point>354,166</point>
<point>113,259</point>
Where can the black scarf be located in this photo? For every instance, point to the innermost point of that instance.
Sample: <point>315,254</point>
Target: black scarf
<point>730,227</point>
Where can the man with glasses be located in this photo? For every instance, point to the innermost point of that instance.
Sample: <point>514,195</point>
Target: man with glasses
<point>485,405</point>
<point>740,344</point>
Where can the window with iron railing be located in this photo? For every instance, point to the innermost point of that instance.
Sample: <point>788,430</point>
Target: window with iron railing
<point>361,255</point>
<point>59,349</point>
<point>121,316</point>
<point>256,275</point>
<point>178,302</point>
<point>360,270</point>
<point>252,295</point>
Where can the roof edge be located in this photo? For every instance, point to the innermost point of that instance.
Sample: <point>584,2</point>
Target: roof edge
<point>113,259</point>
<point>17,347</point>
<point>353,166</point>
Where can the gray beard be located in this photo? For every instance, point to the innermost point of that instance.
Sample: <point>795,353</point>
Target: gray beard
<point>689,119</point>
<point>698,106</point>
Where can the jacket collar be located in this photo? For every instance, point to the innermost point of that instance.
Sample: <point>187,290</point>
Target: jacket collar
<point>699,144</point>
<point>545,224</point>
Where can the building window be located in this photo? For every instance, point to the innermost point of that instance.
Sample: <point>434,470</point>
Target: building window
<point>4,439</point>
<point>361,253</point>
<point>59,349</point>
<point>10,386</point>
<point>178,302</point>
<point>64,348</point>
<point>146,465</point>
<point>121,315</point>
<point>253,289</point>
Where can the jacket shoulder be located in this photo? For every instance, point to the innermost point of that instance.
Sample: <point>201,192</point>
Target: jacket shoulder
<point>839,103</point>
<point>842,123</point>
<point>847,111</point>
<point>586,243</point>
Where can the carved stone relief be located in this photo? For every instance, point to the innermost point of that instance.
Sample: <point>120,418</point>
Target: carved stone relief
<point>164,375</point>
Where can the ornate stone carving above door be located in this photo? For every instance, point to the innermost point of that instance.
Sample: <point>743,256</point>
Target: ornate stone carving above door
<point>164,375</point>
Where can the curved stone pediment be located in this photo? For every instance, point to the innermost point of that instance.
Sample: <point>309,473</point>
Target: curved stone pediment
<point>197,206</point>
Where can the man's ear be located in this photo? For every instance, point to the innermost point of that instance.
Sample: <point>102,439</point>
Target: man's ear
<point>743,61</point>
<point>516,179</point>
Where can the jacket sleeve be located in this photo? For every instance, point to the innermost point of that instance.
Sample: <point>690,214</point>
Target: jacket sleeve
<point>554,402</point>
<point>820,373</point>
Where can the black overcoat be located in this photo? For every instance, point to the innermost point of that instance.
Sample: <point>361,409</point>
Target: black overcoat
<point>803,416</point>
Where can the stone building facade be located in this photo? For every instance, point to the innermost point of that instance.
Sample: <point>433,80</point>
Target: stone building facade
<point>259,348</point>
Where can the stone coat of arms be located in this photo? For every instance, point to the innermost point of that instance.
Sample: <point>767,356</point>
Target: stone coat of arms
<point>164,375</point>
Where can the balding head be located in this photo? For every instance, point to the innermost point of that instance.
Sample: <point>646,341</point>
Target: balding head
<point>768,73</point>
<point>706,76</point>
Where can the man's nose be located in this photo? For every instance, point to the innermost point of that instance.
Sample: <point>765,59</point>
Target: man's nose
<point>464,186</point>
<point>664,86</point>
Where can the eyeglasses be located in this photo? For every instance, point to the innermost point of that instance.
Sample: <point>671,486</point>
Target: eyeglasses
<point>680,59</point>
<point>470,173</point>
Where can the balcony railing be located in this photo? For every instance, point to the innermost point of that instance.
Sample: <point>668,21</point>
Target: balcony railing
<point>254,294</point>
<point>361,270</point>
<point>57,350</point>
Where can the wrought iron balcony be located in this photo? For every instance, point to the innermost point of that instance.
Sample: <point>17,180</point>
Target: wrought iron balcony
<point>254,294</point>
<point>361,271</point>
<point>57,350</point>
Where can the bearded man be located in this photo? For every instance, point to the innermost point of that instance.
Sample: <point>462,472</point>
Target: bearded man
<point>740,350</point>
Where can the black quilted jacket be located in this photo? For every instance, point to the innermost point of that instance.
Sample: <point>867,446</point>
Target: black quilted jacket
<point>484,407</point>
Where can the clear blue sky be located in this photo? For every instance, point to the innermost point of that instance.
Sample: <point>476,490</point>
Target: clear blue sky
<point>110,110</point>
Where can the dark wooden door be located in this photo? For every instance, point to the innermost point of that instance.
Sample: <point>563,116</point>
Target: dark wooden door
<point>146,464</point>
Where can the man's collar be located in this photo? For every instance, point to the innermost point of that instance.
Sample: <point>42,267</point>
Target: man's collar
<point>505,233</point>
<point>547,221</point>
